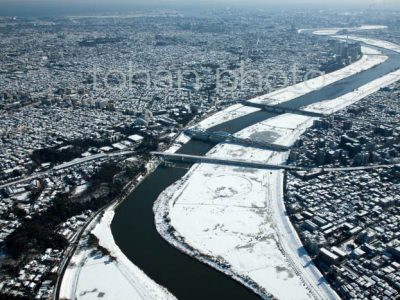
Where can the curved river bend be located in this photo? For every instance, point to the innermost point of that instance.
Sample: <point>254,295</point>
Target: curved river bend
<point>133,225</point>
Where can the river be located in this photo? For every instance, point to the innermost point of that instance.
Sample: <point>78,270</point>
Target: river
<point>133,225</point>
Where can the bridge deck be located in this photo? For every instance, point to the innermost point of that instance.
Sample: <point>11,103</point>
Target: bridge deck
<point>222,137</point>
<point>281,110</point>
<point>188,158</point>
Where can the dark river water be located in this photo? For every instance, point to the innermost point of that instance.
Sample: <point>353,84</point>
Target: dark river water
<point>133,226</point>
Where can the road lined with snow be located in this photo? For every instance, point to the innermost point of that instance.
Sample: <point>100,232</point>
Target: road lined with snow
<point>69,164</point>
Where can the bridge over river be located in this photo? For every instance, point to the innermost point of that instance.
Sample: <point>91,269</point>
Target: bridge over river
<point>188,158</point>
<point>133,226</point>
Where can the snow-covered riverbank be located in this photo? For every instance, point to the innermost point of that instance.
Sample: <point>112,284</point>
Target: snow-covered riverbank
<point>366,62</point>
<point>334,105</point>
<point>94,274</point>
<point>370,41</point>
<point>235,219</point>
<point>371,57</point>
<point>228,114</point>
<point>231,218</point>
<point>332,31</point>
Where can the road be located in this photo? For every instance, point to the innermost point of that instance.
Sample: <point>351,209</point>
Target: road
<point>66,165</point>
<point>73,245</point>
<point>187,158</point>
<point>288,233</point>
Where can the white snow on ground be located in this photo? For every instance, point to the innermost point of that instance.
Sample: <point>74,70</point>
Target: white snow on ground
<point>370,59</point>
<point>286,128</point>
<point>237,216</point>
<point>371,41</point>
<point>324,31</point>
<point>22,197</point>
<point>370,51</point>
<point>230,113</point>
<point>371,27</point>
<point>234,151</point>
<point>228,220</point>
<point>93,275</point>
<point>331,31</point>
<point>231,213</point>
<point>366,62</point>
<point>179,141</point>
<point>334,105</point>
<point>282,130</point>
<point>80,189</point>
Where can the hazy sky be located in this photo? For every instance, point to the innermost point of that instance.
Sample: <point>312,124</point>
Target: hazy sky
<point>25,7</point>
<point>224,2</point>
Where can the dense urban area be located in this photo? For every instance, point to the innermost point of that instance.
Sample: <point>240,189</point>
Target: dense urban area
<point>366,132</point>
<point>84,100</point>
<point>349,221</point>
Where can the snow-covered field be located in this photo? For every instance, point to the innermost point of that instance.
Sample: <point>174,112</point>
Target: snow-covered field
<point>282,130</point>
<point>372,42</point>
<point>230,219</point>
<point>331,31</point>
<point>367,61</point>
<point>179,141</point>
<point>371,57</point>
<point>237,215</point>
<point>234,218</point>
<point>92,274</point>
<point>370,51</point>
<point>229,113</point>
<point>334,105</point>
